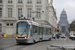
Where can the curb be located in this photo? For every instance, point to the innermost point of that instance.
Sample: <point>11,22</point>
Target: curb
<point>60,48</point>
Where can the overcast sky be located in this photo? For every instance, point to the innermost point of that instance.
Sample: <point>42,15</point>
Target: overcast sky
<point>68,5</point>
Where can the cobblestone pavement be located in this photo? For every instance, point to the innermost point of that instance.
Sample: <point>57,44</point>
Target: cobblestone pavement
<point>6,42</point>
<point>6,39</point>
<point>10,44</point>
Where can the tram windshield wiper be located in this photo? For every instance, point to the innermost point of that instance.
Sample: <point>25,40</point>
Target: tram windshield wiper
<point>23,31</point>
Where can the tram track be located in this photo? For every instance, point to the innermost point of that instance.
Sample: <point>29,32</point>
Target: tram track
<point>20,48</point>
<point>23,46</point>
<point>11,45</point>
<point>15,47</point>
<point>7,47</point>
<point>7,43</point>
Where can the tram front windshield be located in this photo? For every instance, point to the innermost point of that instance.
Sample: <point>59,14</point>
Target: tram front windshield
<point>22,28</point>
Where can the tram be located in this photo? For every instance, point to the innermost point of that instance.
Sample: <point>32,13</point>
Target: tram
<point>28,31</point>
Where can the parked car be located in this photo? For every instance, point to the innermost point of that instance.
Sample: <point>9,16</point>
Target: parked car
<point>63,36</point>
<point>72,35</point>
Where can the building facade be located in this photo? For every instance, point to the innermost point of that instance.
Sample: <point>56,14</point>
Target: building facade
<point>63,23</point>
<point>11,10</point>
<point>52,17</point>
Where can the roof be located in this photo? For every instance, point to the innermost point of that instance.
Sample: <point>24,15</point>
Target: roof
<point>34,23</point>
<point>63,11</point>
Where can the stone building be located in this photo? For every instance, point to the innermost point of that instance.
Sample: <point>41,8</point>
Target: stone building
<point>52,17</point>
<point>10,10</point>
<point>63,23</point>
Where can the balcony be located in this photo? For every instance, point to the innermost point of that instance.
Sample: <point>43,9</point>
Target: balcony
<point>38,5</point>
<point>10,4</point>
<point>0,17</point>
<point>9,18</point>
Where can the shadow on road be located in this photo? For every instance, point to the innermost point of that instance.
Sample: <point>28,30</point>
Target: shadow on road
<point>32,43</point>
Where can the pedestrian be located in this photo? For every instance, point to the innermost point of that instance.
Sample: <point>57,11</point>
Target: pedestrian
<point>55,37</point>
<point>58,36</point>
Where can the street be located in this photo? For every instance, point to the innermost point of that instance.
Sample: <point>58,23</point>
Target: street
<point>37,22</point>
<point>10,44</point>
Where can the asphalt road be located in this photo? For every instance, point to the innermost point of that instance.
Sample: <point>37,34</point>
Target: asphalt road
<point>10,44</point>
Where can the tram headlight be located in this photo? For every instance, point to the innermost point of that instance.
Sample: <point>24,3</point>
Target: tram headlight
<point>25,37</point>
<point>16,37</point>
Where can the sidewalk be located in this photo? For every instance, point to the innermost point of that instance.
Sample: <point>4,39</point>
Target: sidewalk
<point>62,44</point>
<point>6,39</point>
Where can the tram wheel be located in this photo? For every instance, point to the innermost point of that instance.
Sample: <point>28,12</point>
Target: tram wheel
<point>49,39</point>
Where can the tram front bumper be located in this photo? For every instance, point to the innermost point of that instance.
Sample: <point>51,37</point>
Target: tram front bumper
<point>22,40</point>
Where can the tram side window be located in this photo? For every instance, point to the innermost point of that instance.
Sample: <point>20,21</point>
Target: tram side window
<point>40,31</point>
<point>49,31</point>
<point>31,31</point>
<point>46,31</point>
<point>34,29</point>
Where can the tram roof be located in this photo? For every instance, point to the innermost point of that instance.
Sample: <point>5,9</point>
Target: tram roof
<point>35,23</point>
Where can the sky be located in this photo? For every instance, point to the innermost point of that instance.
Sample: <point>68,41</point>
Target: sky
<point>68,5</point>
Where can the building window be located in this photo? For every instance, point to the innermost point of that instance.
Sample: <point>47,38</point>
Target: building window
<point>0,1</point>
<point>9,12</point>
<point>19,1</point>
<point>38,1</point>
<point>0,12</point>
<point>9,1</point>
<point>7,24</point>
<point>29,1</point>
<point>38,12</point>
<point>11,24</point>
<point>0,27</point>
<point>29,12</point>
<point>19,12</point>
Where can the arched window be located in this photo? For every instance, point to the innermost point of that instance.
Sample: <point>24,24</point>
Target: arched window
<point>0,27</point>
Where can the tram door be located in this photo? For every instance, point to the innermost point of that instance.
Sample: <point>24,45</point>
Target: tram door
<point>41,32</point>
<point>44,34</point>
<point>35,33</point>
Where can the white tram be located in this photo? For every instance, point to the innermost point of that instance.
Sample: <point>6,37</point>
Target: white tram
<point>28,31</point>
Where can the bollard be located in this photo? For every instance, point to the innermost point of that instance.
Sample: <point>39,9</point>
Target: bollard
<point>2,35</point>
<point>53,48</point>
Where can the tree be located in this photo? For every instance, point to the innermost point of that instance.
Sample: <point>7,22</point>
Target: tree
<point>72,26</point>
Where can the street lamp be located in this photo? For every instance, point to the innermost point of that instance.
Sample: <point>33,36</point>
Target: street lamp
<point>35,16</point>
